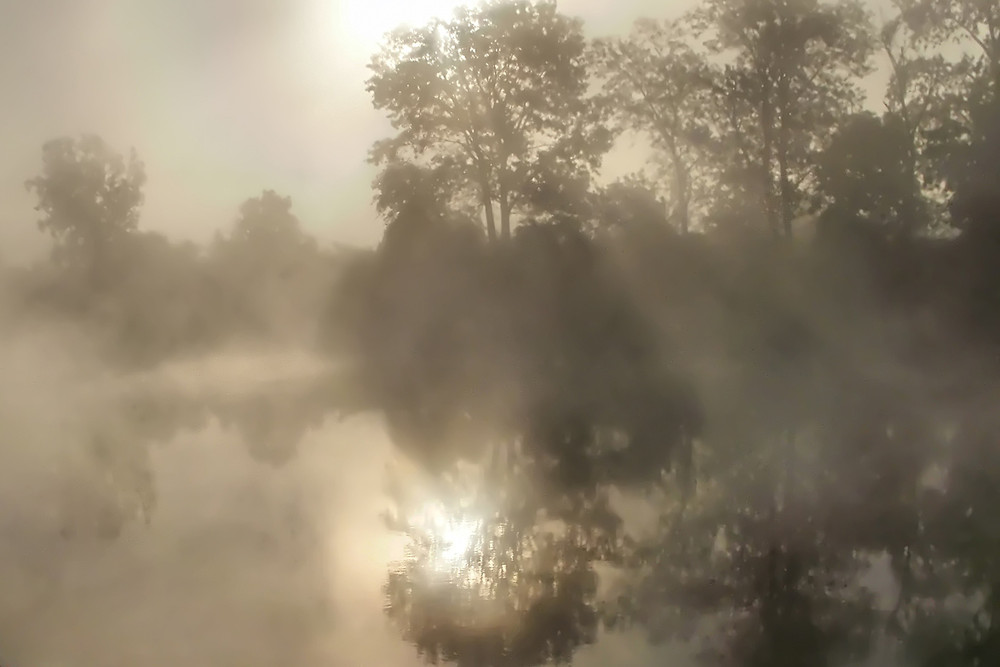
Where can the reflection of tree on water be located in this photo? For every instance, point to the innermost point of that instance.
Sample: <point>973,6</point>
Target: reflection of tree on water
<point>113,482</point>
<point>521,593</point>
<point>114,485</point>
<point>534,345</point>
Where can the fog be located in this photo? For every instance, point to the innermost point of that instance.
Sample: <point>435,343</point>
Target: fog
<point>502,334</point>
<point>241,564</point>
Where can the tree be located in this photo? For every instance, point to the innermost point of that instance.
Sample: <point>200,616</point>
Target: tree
<point>629,203</point>
<point>790,72</point>
<point>89,197</point>
<point>781,404</point>
<point>930,98</point>
<point>959,145</point>
<point>962,22</point>
<point>495,95</point>
<point>405,190</point>
<point>658,84</point>
<point>266,228</point>
<point>270,270</point>
<point>865,174</point>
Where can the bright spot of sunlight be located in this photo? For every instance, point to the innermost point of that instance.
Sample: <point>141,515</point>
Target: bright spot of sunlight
<point>451,536</point>
<point>365,22</point>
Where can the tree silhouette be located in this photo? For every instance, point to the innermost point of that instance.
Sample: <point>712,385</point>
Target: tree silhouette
<point>520,592</point>
<point>270,272</point>
<point>867,173</point>
<point>89,197</point>
<point>792,72</point>
<point>658,84</point>
<point>494,95</point>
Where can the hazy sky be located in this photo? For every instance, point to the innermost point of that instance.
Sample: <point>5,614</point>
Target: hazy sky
<point>221,98</point>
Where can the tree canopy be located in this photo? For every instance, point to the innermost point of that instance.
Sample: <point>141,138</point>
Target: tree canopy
<point>495,97</point>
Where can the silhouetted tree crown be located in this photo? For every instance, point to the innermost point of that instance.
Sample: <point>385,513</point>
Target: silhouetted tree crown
<point>494,97</point>
<point>89,198</point>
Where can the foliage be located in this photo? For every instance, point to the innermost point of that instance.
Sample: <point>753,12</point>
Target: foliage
<point>658,84</point>
<point>495,97</point>
<point>89,197</point>
<point>789,71</point>
<point>271,272</point>
<point>864,174</point>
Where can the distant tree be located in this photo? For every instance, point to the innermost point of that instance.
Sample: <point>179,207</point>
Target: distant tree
<point>925,99</point>
<point>163,304</point>
<point>630,202</point>
<point>973,170</point>
<point>265,230</point>
<point>89,197</point>
<point>272,273</point>
<point>496,95</point>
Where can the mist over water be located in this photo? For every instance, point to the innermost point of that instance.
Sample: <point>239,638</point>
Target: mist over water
<point>241,563</point>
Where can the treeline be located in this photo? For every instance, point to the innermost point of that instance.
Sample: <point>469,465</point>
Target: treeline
<point>144,297</point>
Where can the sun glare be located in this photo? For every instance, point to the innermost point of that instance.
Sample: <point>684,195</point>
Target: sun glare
<point>452,537</point>
<point>365,22</point>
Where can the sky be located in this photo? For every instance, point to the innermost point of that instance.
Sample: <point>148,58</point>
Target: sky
<point>220,98</point>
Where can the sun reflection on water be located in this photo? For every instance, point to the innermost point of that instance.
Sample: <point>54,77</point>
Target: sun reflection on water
<point>449,537</point>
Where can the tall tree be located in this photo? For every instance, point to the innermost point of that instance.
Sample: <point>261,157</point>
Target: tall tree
<point>959,144</point>
<point>927,99</point>
<point>790,72</point>
<point>497,93</point>
<point>960,22</point>
<point>89,197</point>
<point>659,85</point>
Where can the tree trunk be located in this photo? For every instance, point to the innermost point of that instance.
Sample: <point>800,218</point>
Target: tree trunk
<point>767,157</point>
<point>785,187</point>
<point>491,225</point>
<point>486,190</point>
<point>682,196</point>
<point>908,213</point>
<point>504,212</point>
<point>487,194</point>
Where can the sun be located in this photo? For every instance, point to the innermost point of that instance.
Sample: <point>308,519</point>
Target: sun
<point>365,22</point>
